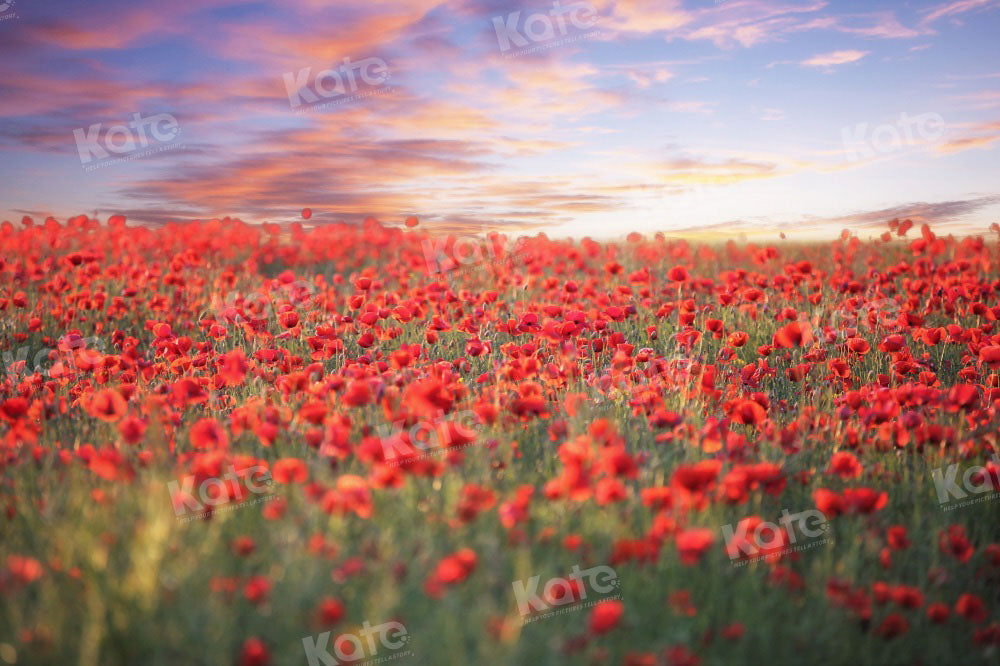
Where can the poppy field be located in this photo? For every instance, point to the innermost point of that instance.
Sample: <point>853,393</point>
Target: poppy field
<point>225,443</point>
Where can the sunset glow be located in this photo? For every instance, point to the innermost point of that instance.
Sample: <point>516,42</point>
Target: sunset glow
<point>573,118</point>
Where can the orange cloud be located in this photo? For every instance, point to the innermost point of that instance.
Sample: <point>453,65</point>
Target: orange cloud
<point>988,134</point>
<point>698,172</point>
<point>646,16</point>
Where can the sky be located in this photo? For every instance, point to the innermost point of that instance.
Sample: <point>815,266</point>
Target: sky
<point>592,118</point>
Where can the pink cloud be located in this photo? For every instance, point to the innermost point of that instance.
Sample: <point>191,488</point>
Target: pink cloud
<point>956,8</point>
<point>834,58</point>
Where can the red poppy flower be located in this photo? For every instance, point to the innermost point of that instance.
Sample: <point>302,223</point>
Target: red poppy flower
<point>938,613</point>
<point>257,589</point>
<point>858,346</point>
<point>839,368</point>
<point>907,596</point>
<point>733,631</point>
<point>892,343</point>
<point>971,608</point>
<point>208,434</point>
<point>680,655</point>
<point>472,500</point>
<point>233,367</point>
<point>132,429</point>
<point>677,274</point>
<point>451,570</point>
<point>243,546</point>
<point>608,491</point>
<point>963,396</point>
<point>357,394</point>
<point>828,502</point>
<point>254,653</point>
<point>353,494</point>
<point>108,405</point>
<point>748,412</point>
<point>429,398</point>
<point>864,500</point>
<point>794,334</point>
<point>605,616</point>
<point>329,612</point>
<point>24,569</point>
<point>845,465</point>
<point>954,542</point>
<point>892,626</point>
<point>897,538</point>
<point>289,470</point>
<point>738,339</point>
<point>692,544</point>
<point>990,356</point>
<point>13,409</point>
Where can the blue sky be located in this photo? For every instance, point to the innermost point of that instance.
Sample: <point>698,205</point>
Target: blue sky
<point>742,116</point>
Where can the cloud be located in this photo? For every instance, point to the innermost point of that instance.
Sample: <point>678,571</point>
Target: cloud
<point>645,79</point>
<point>955,8</point>
<point>691,106</point>
<point>344,173</point>
<point>948,216</point>
<point>985,99</point>
<point>834,58</point>
<point>919,212</point>
<point>689,171</point>
<point>647,16</point>
<point>966,143</point>
<point>769,113</point>
<point>118,26</point>
<point>973,77</point>
<point>747,23</point>
<point>881,25</point>
<point>546,89</point>
<point>466,135</point>
<point>744,23</point>
<point>984,136</point>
